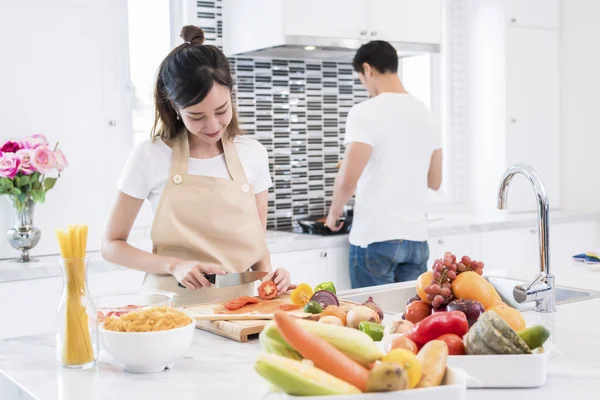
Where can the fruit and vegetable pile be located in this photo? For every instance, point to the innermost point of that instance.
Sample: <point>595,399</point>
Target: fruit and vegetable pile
<point>310,358</point>
<point>456,312</point>
<point>338,354</point>
<point>456,305</point>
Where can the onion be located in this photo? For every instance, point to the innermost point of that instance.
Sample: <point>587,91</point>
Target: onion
<point>371,304</point>
<point>398,326</point>
<point>325,298</point>
<point>358,314</point>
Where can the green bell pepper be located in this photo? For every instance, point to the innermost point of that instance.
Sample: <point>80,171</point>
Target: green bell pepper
<point>375,331</point>
<point>326,286</point>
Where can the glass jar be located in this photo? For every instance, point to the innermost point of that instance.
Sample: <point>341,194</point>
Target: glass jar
<point>77,333</point>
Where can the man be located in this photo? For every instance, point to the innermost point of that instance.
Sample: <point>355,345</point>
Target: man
<point>393,154</point>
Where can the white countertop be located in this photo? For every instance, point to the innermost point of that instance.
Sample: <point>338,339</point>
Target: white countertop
<point>279,242</point>
<point>221,368</point>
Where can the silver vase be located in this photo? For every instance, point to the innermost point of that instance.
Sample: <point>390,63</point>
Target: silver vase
<point>23,236</point>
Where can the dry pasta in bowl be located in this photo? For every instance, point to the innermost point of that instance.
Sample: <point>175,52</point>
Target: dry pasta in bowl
<point>148,320</point>
<point>149,339</point>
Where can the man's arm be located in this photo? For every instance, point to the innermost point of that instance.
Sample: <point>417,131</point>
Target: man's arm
<point>356,158</point>
<point>434,175</point>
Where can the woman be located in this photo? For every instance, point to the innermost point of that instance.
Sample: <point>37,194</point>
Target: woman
<point>208,186</point>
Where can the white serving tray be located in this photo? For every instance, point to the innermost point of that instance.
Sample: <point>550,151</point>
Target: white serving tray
<point>452,388</point>
<point>505,371</point>
<point>501,371</point>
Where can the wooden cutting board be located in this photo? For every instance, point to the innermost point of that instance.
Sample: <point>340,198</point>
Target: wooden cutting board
<point>241,330</point>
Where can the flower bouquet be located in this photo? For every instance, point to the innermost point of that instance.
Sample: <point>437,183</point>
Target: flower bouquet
<point>25,169</point>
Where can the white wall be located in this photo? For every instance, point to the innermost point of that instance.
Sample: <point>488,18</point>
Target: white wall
<point>580,104</point>
<point>65,65</point>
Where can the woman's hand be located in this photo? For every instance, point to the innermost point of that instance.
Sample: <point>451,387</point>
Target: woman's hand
<point>191,274</point>
<point>281,277</point>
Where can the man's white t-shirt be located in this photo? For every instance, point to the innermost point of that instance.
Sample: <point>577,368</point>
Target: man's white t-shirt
<point>391,195</point>
<point>149,165</point>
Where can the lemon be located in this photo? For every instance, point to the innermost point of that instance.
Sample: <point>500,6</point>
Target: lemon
<point>407,360</point>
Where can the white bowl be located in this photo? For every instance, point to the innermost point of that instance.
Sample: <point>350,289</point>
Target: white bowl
<point>147,352</point>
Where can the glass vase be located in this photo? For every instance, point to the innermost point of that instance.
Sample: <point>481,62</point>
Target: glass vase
<point>23,236</point>
<point>77,333</point>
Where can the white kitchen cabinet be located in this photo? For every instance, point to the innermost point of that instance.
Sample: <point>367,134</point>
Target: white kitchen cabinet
<point>331,18</point>
<point>306,266</point>
<point>533,13</point>
<point>391,20</point>
<point>404,20</point>
<point>316,265</point>
<point>532,112</point>
<point>516,253</point>
<point>514,107</point>
<point>511,252</point>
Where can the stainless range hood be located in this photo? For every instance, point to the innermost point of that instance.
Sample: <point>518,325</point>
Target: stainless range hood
<point>334,49</point>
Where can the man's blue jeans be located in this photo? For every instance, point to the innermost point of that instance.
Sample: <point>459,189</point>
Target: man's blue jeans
<point>387,262</point>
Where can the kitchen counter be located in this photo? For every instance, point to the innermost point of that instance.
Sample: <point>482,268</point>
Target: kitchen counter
<point>221,368</point>
<point>280,242</point>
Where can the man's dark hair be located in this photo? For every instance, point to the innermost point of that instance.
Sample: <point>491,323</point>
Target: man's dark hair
<point>378,54</point>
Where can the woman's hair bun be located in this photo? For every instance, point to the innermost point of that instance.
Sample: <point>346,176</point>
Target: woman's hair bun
<point>192,34</point>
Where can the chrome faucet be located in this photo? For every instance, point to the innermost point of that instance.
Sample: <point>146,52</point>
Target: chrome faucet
<point>542,289</point>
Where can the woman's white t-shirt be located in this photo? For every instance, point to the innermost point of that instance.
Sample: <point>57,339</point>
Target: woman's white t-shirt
<point>149,164</point>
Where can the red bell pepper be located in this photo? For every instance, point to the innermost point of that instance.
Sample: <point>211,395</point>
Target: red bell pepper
<point>439,324</point>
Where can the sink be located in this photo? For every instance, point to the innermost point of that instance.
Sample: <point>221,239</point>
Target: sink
<point>393,298</point>
<point>564,294</point>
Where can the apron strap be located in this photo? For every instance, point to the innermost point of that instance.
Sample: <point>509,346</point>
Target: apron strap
<point>181,155</point>
<point>234,165</point>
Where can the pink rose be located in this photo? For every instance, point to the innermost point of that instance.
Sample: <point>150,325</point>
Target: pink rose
<point>9,165</point>
<point>27,167</point>
<point>43,159</point>
<point>61,160</point>
<point>34,141</point>
<point>11,147</point>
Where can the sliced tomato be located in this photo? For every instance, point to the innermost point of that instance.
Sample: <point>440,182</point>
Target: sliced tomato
<point>250,300</point>
<point>267,290</point>
<point>240,302</point>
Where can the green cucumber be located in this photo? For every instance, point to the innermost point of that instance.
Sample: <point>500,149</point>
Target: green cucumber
<point>535,336</point>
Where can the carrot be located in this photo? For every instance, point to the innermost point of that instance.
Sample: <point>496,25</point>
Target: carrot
<point>323,355</point>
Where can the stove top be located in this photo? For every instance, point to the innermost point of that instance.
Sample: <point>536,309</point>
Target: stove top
<point>318,229</point>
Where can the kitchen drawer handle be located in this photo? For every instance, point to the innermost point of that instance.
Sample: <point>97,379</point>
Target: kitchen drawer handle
<point>513,20</point>
<point>440,241</point>
<point>323,254</point>
<point>373,33</point>
<point>363,32</point>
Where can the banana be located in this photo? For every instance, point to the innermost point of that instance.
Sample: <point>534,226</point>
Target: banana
<point>300,378</point>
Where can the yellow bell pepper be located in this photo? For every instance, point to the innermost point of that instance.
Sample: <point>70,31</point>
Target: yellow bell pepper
<point>302,294</point>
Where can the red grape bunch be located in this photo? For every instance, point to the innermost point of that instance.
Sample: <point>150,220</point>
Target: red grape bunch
<point>445,270</point>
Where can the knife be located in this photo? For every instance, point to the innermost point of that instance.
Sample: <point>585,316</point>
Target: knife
<point>233,279</point>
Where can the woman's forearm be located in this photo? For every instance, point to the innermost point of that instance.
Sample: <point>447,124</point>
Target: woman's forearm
<point>264,264</point>
<point>122,253</point>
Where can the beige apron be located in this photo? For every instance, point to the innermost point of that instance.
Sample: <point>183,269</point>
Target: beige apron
<point>210,220</point>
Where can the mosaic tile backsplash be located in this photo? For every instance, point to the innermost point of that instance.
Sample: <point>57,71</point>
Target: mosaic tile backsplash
<point>297,109</point>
